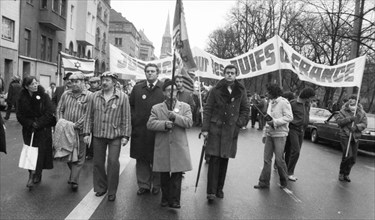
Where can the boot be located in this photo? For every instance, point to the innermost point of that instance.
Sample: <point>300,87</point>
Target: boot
<point>30,183</point>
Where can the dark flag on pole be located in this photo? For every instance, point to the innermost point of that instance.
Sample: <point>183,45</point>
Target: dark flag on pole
<point>180,37</point>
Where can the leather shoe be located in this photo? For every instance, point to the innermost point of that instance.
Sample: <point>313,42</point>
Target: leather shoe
<point>259,186</point>
<point>164,203</point>
<point>175,205</point>
<point>210,197</point>
<point>220,194</point>
<point>98,194</point>
<point>341,177</point>
<point>74,187</point>
<point>155,191</point>
<point>37,178</point>
<point>111,198</point>
<point>142,191</point>
<point>347,179</point>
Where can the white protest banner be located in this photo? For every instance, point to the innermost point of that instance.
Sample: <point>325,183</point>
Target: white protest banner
<point>275,54</point>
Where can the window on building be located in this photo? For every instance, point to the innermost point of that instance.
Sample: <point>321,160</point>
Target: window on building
<point>59,48</point>
<point>55,5</point>
<point>104,42</point>
<point>27,37</point>
<point>49,49</point>
<point>97,42</point>
<point>118,41</point>
<point>71,16</point>
<point>71,48</point>
<point>105,16</point>
<point>43,4</point>
<point>63,8</point>
<point>43,44</point>
<point>99,11</point>
<point>7,32</point>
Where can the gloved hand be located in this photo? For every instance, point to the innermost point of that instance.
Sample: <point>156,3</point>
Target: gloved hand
<point>35,125</point>
<point>352,118</point>
<point>353,128</point>
<point>171,115</point>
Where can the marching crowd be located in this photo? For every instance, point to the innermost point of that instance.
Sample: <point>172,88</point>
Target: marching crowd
<point>89,123</point>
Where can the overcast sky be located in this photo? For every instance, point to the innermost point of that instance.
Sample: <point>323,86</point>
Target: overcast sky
<point>202,17</point>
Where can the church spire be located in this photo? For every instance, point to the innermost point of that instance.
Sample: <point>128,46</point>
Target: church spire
<point>166,44</point>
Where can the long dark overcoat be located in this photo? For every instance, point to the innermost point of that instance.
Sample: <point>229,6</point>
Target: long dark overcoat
<point>224,114</point>
<point>37,108</point>
<point>141,101</point>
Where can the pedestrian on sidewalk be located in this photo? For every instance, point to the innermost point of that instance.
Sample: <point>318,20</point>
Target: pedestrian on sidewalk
<point>108,119</point>
<point>171,158</point>
<point>72,108</point>
<point>354,124</point>
<point>143,96</point>
<point>297,127</point>
<point>13,94</point>
<point>225,113</point>
<point>274,137</point>
<point>35,112</point>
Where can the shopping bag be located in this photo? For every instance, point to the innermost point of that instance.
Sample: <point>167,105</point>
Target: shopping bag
<point>29,156</point>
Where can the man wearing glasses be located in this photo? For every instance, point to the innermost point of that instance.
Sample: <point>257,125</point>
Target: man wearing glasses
<point>224,114</point>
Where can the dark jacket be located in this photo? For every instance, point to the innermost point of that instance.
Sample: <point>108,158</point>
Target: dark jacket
<point>141,101</point>
<point>224,115</point>
<point>3,147</point>
<point>13,92</point>
<point>344,122</point>
<point>301,114</point>
<point>37,108</point>
<point>186,97</point>
<point>57,95</point>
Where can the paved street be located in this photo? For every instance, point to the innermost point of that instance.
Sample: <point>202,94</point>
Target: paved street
<point>317,194</point>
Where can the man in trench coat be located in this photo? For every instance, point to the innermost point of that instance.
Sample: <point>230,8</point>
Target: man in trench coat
<point>143,96</point>
<point>225,112</point>
<point>171,155</point>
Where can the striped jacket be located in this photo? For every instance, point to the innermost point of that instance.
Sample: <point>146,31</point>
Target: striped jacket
<point>73,108</point>
<point>108,119</point>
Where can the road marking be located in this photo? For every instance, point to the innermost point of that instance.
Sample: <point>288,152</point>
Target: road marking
<point>291,194</point>
<point>90,203</point>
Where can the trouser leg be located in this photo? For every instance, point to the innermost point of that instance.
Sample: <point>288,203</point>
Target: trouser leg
<point>265,175</point>
<point>296,138</point>
<point>279,145</point>
<point>144,173</point>
<point>76,167</point>
<point>113,166</point>
<point>222,173</point>
<point>175,187</point>
<point>164,180</point>
<point>99,175</point>
<point>213,174</point>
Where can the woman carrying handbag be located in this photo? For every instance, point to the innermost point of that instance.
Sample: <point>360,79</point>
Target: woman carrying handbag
<point>35,112</point>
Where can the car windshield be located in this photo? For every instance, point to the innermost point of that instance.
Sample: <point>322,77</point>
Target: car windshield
<point>320,112</point>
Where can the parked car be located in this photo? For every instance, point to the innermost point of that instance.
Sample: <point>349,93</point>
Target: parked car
<point>316,115</point>
<point>3,103</point>
<point>329,131</point>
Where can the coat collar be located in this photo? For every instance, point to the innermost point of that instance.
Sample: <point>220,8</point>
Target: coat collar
<point>237,89</point>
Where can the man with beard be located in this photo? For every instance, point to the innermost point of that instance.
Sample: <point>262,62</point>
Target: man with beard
<point>108,119</point>
<point>72,108</point>
<point>143,96</point>
<point>225,112</point>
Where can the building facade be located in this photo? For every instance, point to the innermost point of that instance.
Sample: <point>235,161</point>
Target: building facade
<point>123,34</point>
<point>9,15</point>
<point>101,51</point>
<point>42,30</point>
<point>146,48</point>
